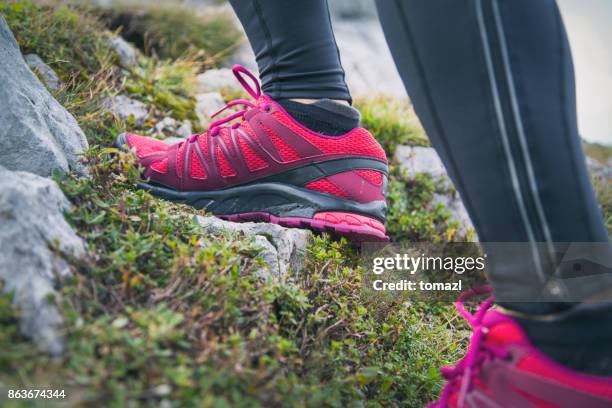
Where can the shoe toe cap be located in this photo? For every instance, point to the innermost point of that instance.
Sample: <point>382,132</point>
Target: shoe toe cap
<point>143,145</point>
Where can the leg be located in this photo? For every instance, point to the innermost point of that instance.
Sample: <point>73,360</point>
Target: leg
<point>298,60</point>
<point>492,82</point>
<point>495,93</point>
<point>295,48</point>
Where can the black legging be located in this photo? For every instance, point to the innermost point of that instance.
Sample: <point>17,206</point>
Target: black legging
<point>295,48</point>
<point>492,82</point>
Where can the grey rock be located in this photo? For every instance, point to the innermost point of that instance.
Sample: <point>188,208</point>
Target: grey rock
<point>360,43</point>
<point>125,108</point>
<point>46,73</point>
<point>37,134</point>
<point>165,125</point>
<point>32,220</point>
<point>243,55</point>
<point>125,51</point>
<point>173,140</point>
<point>598,169</point>
<point>207,104</point>
<point>352,9</point>
<point>207,5</point>
<point>416,159</point>
<point>282,249</point>
<point>213,80</point>
<point>185,130</point>
<point>172,131</point>
<point>103,3</point>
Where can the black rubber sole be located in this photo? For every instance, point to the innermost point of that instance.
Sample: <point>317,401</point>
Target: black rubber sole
<point>280,200</point>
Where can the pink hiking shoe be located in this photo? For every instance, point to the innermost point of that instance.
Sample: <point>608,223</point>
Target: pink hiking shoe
<point>268,167</point>
<point>502,369</point>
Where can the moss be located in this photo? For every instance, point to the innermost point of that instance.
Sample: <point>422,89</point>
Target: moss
<point>412,214</point>
<point>392,121</point>
<point>69,42</point>
<point>74,42</point>
<point>167,86</point>
<point>174,31</point>
<point>163,311</point>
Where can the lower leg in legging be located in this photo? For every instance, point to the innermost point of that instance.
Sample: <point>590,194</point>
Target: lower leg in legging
<point>298,60</point>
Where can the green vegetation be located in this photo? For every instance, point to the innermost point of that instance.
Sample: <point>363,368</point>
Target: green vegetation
<point>601,184</point>
<point>392,121</point>
<point>599,152</point>
<point>166,86</point>
<point>72,44</point>
<point>413,212</point>
<point>75,44</point>
<point>161,312</point>
<point>172,30</point>
<point>603,190</point>
<point>166,312</point>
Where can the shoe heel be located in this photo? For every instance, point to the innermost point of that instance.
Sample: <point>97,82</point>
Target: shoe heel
<point>357,225</point>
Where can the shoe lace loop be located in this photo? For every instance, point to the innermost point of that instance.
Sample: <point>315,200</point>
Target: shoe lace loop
<point>462,375</point>
<point>241,74</point>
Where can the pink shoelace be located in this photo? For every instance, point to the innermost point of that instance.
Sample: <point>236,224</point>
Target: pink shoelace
<point>239,72</point>
<point>461,376</point>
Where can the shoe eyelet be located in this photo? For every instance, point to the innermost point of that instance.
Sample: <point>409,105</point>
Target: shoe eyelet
<point>509,357</point>
<point>267,109</point>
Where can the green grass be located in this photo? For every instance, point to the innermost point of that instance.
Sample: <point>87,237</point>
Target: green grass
<point>162,311</point>
<point>74,43</point>
<point>413,216</point>
<point>68,42</point>
<point>597,151</point>
<point>167,86</point>
<point>392,121</point>
<point>171,30</point>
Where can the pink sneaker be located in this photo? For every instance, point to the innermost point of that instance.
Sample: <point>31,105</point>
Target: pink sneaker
<point>268,167</point>
<point>503,369</point>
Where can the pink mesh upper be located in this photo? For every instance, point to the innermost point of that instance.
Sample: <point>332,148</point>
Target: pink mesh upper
<point>286,152</point>
<point>267,135</point>
<point>160,166</point>
<point>203,142</point>
<point>225,168</point>
<point>253,160</point>
<point>357,142</point>
<point>373,176</point>
<point>179,159</point>
<point>144,146</point>
<point>325,186</point>
<point>197,170</point>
